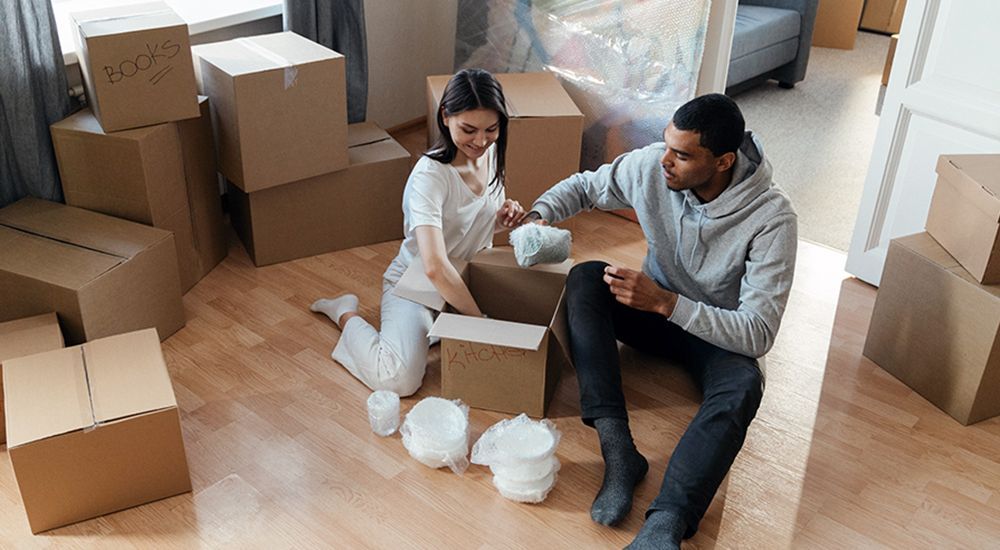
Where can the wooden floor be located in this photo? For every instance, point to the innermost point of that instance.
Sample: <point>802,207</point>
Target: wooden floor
<point>841,454</point>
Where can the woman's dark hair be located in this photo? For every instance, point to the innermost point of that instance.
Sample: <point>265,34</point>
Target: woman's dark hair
<point>471,89</point>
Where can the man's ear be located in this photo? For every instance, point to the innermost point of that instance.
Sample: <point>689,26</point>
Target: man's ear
<point>725,161</point>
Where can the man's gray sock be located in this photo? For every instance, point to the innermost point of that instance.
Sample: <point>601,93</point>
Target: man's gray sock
<point>663,530</point>
<point>624,468</point>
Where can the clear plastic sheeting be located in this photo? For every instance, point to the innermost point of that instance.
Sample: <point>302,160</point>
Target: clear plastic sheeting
<point>436,433</point>
<point>521,454</point>
<point>627,64</point>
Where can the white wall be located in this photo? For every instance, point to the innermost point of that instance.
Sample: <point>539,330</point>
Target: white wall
<point>407,40</point>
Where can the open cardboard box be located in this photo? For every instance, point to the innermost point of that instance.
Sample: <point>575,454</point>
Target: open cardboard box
<point>510,361</point>
<point>93,429</point>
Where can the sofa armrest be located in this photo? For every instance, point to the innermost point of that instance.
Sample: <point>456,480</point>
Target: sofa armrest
<point>794,71</point>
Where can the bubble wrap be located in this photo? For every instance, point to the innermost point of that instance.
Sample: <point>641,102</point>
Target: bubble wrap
<point>516,441</point>
<point>627,64</point>
<point>540,244</point>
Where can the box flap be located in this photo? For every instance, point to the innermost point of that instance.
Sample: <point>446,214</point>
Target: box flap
<point>536,95</point>
<point>128,375</point>
<point>977,178</point>
<point>416,287</point>
<point>503,256</point>
<point>53,262</point>
<point>46,395</point>
<point>85,122</point>
<point>80,227</point>
<point>128,18</point>
<point>488,331</point>
<point>363,133</point>
<point>29,336</point>
<point>927,248</point>
<point>263,53</point>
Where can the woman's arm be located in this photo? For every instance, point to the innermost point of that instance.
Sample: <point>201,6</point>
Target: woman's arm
<point>441,273</point>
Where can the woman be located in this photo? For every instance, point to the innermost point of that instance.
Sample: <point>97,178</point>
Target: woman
<point>452,204</point>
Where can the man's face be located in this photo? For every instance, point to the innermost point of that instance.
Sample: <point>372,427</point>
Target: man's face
<point>686,164</point>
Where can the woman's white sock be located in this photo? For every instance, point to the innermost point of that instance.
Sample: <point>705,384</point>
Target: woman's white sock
<point>335,307</point>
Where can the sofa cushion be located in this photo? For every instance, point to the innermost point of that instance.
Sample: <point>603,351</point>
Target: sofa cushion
<point>758,27</point>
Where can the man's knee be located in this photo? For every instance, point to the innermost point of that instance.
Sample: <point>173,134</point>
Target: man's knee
<point>586,275</point>
<point>740,395</point>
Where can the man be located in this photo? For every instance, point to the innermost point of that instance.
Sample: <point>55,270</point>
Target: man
<point>721,250</point>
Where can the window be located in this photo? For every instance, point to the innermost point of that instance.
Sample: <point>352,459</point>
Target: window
<point>201,15</point>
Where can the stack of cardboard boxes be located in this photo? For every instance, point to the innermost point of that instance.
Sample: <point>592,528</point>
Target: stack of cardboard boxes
<point>143,224</point>
<point>301,181</point>
<point>936,323</point>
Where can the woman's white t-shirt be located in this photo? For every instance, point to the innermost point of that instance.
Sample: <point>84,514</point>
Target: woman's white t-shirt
<point>436,195</point>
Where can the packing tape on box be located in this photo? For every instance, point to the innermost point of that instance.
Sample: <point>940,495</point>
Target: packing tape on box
<point>90,393</point>
<point>291,71</point>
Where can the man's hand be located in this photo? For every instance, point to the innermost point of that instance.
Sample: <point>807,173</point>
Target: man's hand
<point>636,290</point>
<point>533,217</point>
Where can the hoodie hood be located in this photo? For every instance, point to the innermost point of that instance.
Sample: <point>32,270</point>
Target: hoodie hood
<point>751,177</point>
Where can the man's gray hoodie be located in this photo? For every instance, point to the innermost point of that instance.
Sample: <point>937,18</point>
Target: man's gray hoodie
<point>729,260</point>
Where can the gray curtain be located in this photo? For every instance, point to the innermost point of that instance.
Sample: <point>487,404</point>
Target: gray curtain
<point>33,94</point>
<point>340,26</point>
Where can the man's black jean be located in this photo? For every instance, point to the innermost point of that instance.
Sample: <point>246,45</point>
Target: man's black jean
<point>731,386</point>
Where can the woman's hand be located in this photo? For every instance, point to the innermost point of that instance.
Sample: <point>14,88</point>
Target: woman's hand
<point>510,214</point>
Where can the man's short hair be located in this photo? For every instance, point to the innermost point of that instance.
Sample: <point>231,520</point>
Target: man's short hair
<point>716,118</point>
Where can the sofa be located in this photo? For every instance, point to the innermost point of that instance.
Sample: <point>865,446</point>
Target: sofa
<point>771,41</point>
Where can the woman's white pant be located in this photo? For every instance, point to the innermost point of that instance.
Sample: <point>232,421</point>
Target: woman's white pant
<point>394,359</point>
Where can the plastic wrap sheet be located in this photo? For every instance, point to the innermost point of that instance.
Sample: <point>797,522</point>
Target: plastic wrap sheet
<point>628,64</point>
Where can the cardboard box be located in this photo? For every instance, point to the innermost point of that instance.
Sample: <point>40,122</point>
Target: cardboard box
<point>354,207</point>
<point>887,70</point>
<point>162,175</point>
<point>936,329</point>
<point>136,64</point>
<point>512,360</point>
<point>102,275</point>
<point>281,107</point>
<point>883,15</point>
<point>93,429</point>
<point>965,213</point>
<point>544,135</point>
<point>26,337</point>
<point>837,23</point>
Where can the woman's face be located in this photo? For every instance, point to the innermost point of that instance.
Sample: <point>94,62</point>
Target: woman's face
<point>473,131</point>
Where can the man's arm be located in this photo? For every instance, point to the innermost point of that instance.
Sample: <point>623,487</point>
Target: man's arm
<point>607,188</point>
<point>751,328</point>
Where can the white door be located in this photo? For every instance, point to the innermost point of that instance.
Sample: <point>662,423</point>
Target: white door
<point>943,97</point>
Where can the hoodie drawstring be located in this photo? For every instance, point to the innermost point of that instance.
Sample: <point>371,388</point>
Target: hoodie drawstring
<point>697,237</point>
